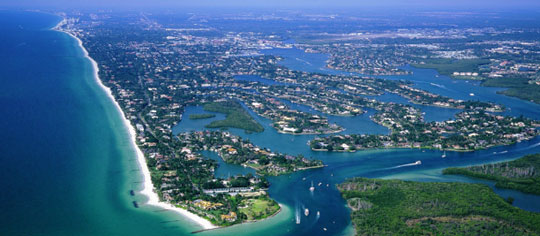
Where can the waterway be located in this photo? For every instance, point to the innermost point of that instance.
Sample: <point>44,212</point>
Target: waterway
<point>68,166</point>
<point>293,190</point>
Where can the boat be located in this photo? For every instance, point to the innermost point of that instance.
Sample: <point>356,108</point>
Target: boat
<point>318,213</point>
<point>444,154</point>
<point>319,183</point>
<point>418,162</point>
<point>324,229</point>
<point>306,212</point>
<point>131,192</point>
<point>135,204</point>
<point>471,94</point>
<point>311,188</point>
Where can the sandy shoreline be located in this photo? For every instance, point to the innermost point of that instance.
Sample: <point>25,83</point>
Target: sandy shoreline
<point>148,187</point>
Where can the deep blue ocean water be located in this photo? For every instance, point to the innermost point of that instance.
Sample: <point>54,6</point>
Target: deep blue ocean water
<point>68,167</point>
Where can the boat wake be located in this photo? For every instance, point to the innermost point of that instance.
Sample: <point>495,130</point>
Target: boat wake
<point>405,165</point>
<point>314,223</point>
<point>529,147</point>
<point>498,153</point>
<point>297,213</point>
<point>304,61</point>
<point>534,145</point>
<point>437,85</point>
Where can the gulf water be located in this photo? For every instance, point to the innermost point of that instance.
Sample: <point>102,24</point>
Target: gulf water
<point>68,167</point>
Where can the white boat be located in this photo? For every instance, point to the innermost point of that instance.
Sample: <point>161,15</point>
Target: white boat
<point>418,163</point>
<point>471,94</point>
<point>319,183</point>
<point>444,154</point>
<point>318,213</point>
<point>306,212</point>
<point>311,188</point>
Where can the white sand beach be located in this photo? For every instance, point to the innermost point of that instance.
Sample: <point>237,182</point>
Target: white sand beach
<point>148,189</point>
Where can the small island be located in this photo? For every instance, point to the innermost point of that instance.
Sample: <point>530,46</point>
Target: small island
<point>237,116</point>
<point>471,130</point>
<point>521,174</point>
<point>287,120</point>
<point>396,207</point>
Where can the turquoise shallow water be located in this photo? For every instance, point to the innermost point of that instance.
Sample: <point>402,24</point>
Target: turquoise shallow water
<point>67,165</point>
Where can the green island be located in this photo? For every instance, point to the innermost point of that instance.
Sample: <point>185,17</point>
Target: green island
<point>201,116</point>
<point>516,87</point>
<point>236,116</point>
<point>521,174</point>
<point>396,207</point>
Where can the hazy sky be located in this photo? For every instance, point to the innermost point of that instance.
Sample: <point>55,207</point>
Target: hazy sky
<point>534,4</point>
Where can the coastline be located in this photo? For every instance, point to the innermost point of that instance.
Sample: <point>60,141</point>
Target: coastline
<point>148,187</point>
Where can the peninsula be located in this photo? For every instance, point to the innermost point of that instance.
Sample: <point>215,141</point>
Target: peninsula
<point>521,174</point>
<point>396,207</point>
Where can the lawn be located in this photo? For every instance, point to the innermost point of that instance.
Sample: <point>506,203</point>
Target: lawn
<point>449,66</point>
<point>258,208</point>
